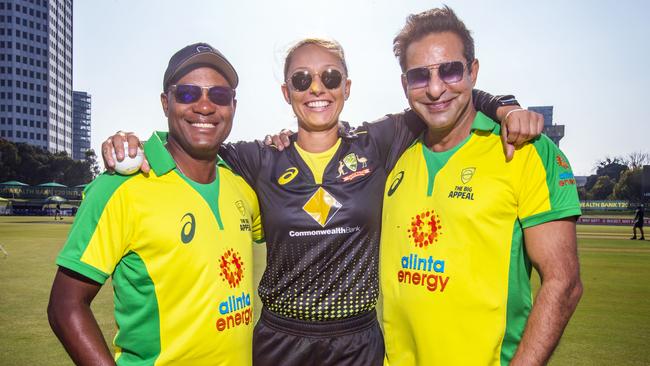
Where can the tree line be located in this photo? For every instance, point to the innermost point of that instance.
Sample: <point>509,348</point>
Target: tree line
<point>618,177</point>
<point>33,165</point>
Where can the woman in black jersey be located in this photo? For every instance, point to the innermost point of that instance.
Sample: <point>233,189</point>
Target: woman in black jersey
<point>321,201</point>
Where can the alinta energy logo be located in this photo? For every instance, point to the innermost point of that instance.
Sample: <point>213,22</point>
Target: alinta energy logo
<point>232,268</point>
<point>418,270</point>
<point>425,229</point>
<point>566,178</point>
<point>561,162</point>
<point>235,310</point>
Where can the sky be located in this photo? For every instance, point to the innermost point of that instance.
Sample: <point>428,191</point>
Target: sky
<point>586,58</point>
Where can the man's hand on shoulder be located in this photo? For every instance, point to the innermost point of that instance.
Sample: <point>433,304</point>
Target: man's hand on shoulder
<point>279,140</point>
<point>518,126</point>
<point>115,145</point>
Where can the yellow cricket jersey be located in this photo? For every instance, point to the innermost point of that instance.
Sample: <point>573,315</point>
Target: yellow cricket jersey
<point>455,276</point>
<point>180,257</point>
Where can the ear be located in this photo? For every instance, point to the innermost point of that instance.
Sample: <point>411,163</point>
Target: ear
<point>285,93</point>
<point>346,91</point>
<point>234,106</point>
<point>405,86</point>
<point>474,73</point>
<point>165,103</point>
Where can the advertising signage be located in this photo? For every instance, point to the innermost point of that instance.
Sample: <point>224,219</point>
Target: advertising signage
<point>604,205</point>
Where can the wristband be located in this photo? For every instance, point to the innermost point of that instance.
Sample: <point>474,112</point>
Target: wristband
<point>508,114</point>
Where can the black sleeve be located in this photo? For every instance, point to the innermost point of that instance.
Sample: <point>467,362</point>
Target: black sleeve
<point>245,158</point>
<point>488,103</point>
<point>393,134</point>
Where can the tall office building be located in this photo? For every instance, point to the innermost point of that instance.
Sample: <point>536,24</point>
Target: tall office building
<point>36,73</point>
<point>553,131</point>
<point>81,102</point>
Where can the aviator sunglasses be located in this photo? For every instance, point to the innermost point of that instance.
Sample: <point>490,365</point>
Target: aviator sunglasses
<point>331,78</point>
<point>448,72</point>
<point>188,93</point>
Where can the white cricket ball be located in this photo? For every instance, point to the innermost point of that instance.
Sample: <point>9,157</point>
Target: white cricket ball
<point>129,165</point>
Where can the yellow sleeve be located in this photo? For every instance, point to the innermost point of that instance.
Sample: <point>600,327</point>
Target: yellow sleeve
<point>548,188</point>
<point>99,236</point>
<point>253,208</point>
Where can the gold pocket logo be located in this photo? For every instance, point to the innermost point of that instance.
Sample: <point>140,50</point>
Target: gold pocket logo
<point>467,174</point>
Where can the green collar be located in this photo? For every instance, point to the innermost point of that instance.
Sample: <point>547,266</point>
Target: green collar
<point>483,123</point>
<point>159,157</point>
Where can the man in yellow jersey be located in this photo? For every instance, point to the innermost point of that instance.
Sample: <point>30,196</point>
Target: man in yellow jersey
<point>462,227</point>
<point>176,241</point>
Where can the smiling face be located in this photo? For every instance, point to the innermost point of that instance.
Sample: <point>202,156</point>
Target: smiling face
<point>441,106</point>
<point>317,108</point>
<point>199,128</point>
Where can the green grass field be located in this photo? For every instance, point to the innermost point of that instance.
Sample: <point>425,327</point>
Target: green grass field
<point>610,327</point>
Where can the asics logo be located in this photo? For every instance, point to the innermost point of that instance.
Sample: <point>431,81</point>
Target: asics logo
<point>396,182</point>
<point>288,175</point>
<point>188,228</point>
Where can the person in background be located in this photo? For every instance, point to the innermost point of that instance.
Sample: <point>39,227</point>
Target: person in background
<point>57,212</point>
<point>638,222</point>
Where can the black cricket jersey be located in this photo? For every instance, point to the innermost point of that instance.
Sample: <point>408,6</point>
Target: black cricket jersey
<point>323,239</point>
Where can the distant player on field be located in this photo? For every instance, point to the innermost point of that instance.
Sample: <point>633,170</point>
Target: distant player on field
<point>57,212</point>
<point>638,222</point>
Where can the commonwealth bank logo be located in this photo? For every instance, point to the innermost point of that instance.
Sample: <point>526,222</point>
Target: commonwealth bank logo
<point>322,206</point>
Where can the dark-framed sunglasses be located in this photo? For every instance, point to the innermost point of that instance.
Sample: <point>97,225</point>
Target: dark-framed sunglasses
<point>448,72</point>
<point>331,78</point>
<point>188,93</point>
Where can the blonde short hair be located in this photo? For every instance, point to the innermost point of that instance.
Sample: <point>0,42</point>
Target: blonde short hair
<point>328,44</point>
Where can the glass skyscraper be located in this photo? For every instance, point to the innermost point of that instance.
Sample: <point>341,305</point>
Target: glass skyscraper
<point>80,124</point>
<point>36,73</point>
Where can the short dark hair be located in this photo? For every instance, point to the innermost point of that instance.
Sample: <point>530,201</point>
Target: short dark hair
<point>435,20</point>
